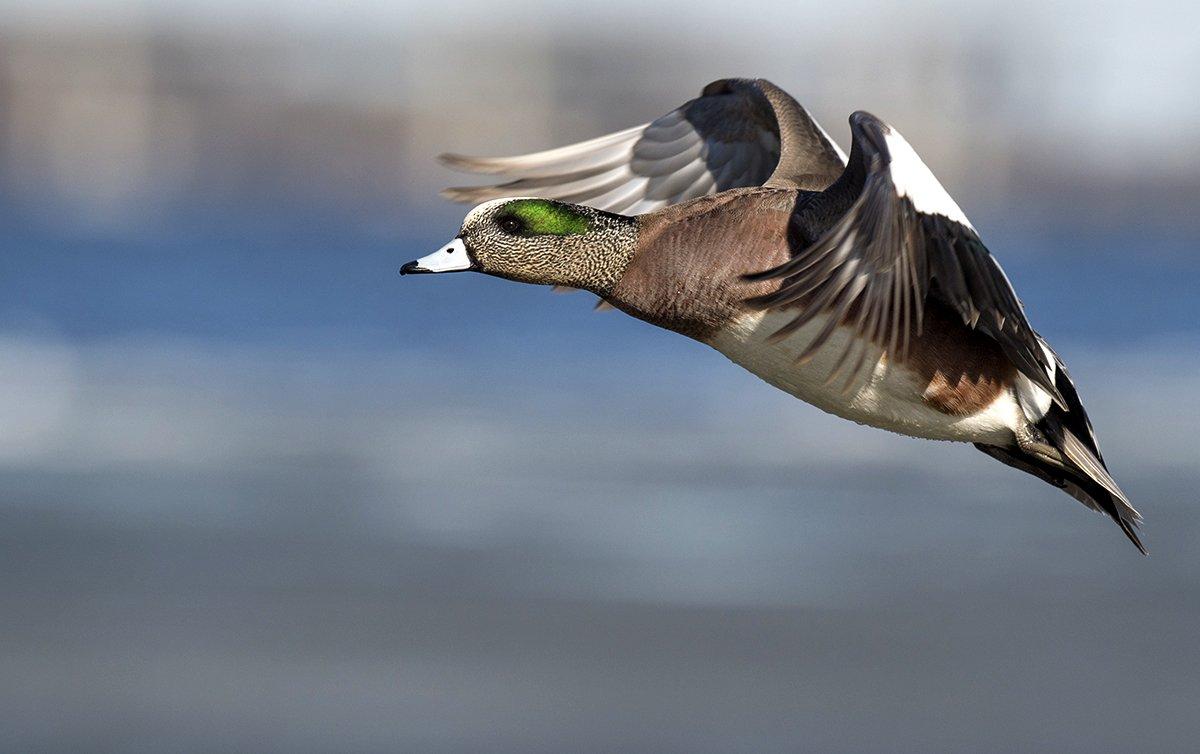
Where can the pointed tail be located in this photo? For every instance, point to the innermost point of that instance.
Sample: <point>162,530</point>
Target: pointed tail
<point>1082,476</point>
<point>1063,451</point>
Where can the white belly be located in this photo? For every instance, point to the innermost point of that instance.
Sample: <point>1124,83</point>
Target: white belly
<point>882,394</point>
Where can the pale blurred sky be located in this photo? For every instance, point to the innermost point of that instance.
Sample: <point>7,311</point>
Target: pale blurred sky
<point>1109,80</point>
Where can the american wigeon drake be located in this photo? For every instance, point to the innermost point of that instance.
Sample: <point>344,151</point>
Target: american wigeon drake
<point>855,284</point>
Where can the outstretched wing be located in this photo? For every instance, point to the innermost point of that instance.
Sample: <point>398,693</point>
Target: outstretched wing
<point>739,132</point>
<point>901,242</point>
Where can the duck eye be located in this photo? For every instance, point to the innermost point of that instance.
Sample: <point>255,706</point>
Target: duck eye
<point>510,224</point>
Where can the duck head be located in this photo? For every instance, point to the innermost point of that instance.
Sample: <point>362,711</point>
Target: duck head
<point>538,241</point>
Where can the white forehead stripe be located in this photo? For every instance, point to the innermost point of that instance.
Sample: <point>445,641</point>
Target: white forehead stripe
<point>450,258</point>
<point>487,206</point>
<point>914,180</point>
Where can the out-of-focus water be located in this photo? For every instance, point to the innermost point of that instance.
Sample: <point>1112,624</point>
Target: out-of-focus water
<point>279,499</point>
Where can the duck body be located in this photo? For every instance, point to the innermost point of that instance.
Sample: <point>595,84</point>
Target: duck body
<point>957,385</point>
<point>852,282</point>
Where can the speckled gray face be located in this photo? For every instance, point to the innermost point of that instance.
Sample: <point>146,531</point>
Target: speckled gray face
<point>539,241</point>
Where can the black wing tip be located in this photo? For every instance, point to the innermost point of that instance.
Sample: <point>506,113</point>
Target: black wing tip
<point>864,119</point>
<point>757,87</point>
<point>730,84</point>
<point>870,136</point>
<point>720,86</point>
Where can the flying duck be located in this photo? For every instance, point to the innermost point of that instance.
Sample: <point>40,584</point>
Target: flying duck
<point>853,283</point>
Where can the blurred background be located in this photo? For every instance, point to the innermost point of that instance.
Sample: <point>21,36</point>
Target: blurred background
<point>258,493</point>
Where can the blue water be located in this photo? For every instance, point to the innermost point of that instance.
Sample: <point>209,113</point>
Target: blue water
<point>284,500</point>
<point>290,276</point>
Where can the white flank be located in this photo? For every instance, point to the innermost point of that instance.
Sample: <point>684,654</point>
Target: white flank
<point>883,394</point>
<point>914,180</point>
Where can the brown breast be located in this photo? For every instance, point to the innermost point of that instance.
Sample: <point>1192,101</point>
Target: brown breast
<point>686,273</point>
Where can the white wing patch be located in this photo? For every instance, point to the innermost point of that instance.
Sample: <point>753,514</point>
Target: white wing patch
<point>1035,401</point>
<point>915,181</point>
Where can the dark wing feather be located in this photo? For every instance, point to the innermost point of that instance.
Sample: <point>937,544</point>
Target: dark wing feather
<point>739,132</point>
<point>878,265</point>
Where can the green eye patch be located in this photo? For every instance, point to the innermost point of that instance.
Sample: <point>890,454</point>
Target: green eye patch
<point>540,217</point>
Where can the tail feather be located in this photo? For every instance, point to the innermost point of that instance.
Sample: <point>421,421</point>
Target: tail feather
<point>1078,484</point>
<point>1060,447</point>
<point>1088,478</point>
<point>1091,466</point>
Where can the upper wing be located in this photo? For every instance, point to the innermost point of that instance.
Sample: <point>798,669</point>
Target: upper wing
<point>902,241</point>
<point>739,132</point>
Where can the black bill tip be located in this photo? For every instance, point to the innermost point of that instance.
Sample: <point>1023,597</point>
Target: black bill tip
<point>411,268</point>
